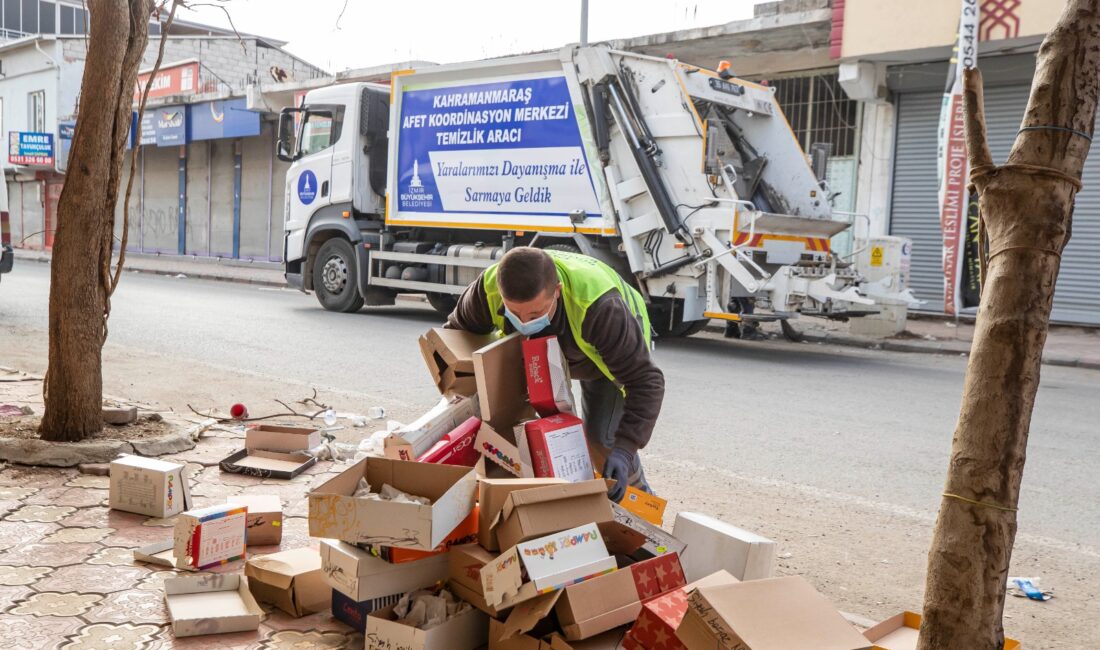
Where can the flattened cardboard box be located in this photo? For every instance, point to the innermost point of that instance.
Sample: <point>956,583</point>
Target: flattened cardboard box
<point>147,486</point>
<point>713,544</point>
<point>209,537</point>
<point>361,576</point>
<point>267,464</point>
<point>290,580</point>
<point>274,437</point>
<point>336,514</point>
<point>609,601</point>
<point>492,493</point>
<point>466,631</point>
<point>265,518</point>
<point>766,614</point>
<point>501,382</point>
<point>213,603</point>
<point>535,512</point>
<point>899,632</point>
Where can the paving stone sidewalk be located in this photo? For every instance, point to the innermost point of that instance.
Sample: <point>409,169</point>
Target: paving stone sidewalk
<point>67,574</point>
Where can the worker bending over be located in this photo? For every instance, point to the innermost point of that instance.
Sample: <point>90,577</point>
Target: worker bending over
<point>603,328</point>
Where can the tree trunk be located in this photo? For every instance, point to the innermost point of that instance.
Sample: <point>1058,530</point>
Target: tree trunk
<point>1026,207</point>
<point>80,271</point>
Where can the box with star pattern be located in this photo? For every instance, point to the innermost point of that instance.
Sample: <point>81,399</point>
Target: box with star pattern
<point>656,626</point>
<point>601,604</point>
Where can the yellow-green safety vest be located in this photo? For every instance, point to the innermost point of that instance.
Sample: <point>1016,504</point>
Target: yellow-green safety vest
<point>583,281</point>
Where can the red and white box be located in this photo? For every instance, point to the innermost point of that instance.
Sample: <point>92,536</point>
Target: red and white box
<point>558,448</point>
<point>656,626</point>
<point>457,447</point>
<point>548,385</point>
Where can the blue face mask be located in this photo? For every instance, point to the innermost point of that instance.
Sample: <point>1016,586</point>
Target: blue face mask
<point>530,328</point>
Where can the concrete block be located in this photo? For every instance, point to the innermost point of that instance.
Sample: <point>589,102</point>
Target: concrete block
<point>120,415</point>
<point>889,322</point>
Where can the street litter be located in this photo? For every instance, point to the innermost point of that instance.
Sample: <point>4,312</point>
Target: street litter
<point>212,603</point>
<point>147,486</point>
<point>1028,588</point>
<point>290,580</point>
<point>426,609</point>
<point>899,632</point>
<point>210,537</point>
<point>11,410</point>
<point>264,523</point>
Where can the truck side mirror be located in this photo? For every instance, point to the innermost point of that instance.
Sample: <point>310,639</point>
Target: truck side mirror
<point>285,149</point>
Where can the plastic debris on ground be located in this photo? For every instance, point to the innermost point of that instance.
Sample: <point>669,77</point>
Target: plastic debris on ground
<point>1028,588</point>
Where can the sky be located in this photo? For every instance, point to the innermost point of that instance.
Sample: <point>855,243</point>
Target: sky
<point>374,33</point>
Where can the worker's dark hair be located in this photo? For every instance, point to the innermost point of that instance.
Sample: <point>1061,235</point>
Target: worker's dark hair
<point>525,273</point>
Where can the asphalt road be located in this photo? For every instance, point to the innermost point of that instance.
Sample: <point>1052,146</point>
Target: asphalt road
<point>872,426</point>
<point>838,454</point>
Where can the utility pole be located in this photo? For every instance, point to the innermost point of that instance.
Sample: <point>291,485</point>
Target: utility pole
<point>584,22</point>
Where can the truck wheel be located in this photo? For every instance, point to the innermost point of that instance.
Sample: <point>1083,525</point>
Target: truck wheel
<point>334,274</point>
<point>659,319</point>
<point>443,303</point>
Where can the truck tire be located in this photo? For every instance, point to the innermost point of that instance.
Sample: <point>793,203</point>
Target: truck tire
<point>659,319</point>
<point>443,303</point>
<point>334,277</point>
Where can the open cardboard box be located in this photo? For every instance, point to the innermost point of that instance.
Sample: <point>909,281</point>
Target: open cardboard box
<point>267,464</point>
<point>552,641</point>
<point>557,446</point>
<point>361,576</point>
<point>899,632</point>
<point>213,603</point>
<point>147,486</point>
<point>502,450</point>
<point>354,613</point>
<point>335,513</point>
<point>659,617</point>
<point>290,580</point>
<point>609,601</point>
<point>449,357</point>
<point>553,562</point>
<point>658,541</point>
<point>548,385</point>
<point>275,437</point>
<point>466,533</point>
<point>492,493</point>
<point>535,512</point>
<point>265,518</point>
<point>466,631</point>
<point>713,544</point>
<point>766,614</point>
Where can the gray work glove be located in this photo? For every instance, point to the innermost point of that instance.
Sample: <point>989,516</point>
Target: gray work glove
<point>619,468</point>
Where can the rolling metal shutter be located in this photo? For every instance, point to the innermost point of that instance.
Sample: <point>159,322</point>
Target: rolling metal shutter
<point>915,214</point>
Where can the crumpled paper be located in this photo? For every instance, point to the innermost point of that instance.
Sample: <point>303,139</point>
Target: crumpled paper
<point>425,609</point>
<point>388,493</point>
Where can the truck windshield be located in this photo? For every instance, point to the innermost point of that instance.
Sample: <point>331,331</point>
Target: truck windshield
<point>321,128</point>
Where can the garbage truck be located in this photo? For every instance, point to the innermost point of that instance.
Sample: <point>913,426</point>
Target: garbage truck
<point>687,181</point>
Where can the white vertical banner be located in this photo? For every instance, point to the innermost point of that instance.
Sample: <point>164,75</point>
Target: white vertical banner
<point>953,168</point>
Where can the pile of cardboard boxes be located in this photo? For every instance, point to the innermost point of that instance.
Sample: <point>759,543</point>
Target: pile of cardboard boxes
<point>488,513</point>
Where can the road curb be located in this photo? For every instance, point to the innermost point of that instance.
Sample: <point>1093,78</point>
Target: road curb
<point>199,275</point>
<point>915,347</point>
